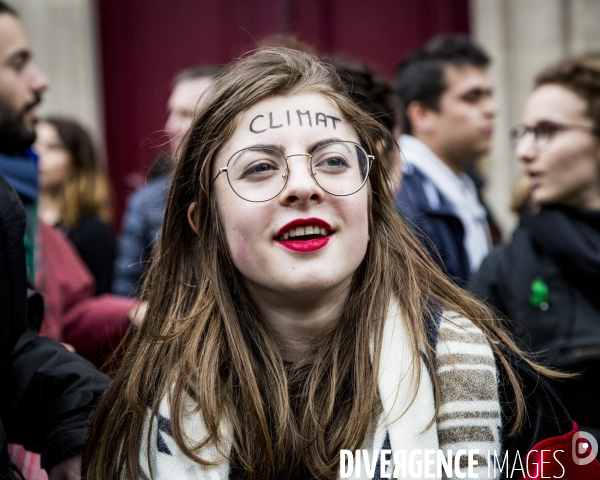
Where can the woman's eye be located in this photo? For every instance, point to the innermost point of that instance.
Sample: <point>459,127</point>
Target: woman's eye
<point>332,162</point>
<point>258,169</point>
<point>546,130</point>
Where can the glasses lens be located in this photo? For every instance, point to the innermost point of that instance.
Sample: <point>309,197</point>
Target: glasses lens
<point>257,174</point>
<point>545,132</point>
<point>340,168</point>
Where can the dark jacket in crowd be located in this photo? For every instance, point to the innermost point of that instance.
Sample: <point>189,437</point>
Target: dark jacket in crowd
<point>48,393</point>
<point>546,282</point>
<point>96,244</point>
<point>141,226</point>
<point>433,219</point>
<point>94,325</point>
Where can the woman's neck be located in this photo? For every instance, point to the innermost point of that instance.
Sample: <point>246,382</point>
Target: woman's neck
<point>298,322</point>
<point>587,198</point>
<point>49,207</point>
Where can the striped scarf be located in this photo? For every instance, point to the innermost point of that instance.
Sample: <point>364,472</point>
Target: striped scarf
<point>469,416</point>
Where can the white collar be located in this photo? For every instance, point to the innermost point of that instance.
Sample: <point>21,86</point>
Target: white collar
<point>460,190</point>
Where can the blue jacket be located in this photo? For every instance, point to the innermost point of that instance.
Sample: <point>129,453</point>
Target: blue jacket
<point>433,219</point>
<point>140,229</point>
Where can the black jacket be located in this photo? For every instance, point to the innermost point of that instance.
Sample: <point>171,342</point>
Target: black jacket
<point>96,244</point>
<point>564,327</point>
<point>48,393</point>
<point>561,326</point>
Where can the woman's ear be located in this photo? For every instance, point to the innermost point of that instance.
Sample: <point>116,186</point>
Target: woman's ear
<point>190,217</point>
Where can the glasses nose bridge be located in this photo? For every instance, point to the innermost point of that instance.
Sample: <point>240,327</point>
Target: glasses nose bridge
<point>308,157</point>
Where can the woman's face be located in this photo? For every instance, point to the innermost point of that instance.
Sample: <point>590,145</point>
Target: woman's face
<point>565,169</point>
<point>258,234</point>
<point>54,159</point>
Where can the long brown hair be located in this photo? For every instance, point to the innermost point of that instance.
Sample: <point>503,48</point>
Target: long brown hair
<point>86,190</point>
<point>203,337</point>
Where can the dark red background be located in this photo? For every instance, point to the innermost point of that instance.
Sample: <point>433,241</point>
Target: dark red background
<point>146,42</point>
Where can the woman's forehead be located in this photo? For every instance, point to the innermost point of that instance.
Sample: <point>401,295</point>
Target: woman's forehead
<point>300,105</point>
<point>555,103</point>
<point>290,120</point>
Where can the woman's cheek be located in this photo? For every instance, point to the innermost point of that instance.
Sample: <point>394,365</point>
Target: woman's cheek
<point>244,238</point>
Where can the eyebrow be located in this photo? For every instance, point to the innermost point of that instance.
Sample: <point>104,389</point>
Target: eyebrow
<point>321,143</point>
<point>311,148</point>
<point>479,91</point>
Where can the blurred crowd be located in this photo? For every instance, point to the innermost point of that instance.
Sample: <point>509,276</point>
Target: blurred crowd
<point>543,280</point>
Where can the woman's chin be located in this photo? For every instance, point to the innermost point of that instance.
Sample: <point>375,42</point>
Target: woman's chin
<point>540,199</point>
<point>312,289</point>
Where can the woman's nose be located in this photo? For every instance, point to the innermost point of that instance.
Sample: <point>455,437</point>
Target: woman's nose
<point>300,186</point>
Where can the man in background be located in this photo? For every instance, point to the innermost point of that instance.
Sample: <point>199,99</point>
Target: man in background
<point>449,123</point>
<point>47,393</point>
<point>145,208</point>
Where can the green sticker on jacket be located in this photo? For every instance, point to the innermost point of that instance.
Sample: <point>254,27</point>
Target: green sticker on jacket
<point>539,294</point>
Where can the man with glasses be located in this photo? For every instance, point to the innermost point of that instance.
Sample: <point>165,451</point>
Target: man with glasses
<point>449,122</point>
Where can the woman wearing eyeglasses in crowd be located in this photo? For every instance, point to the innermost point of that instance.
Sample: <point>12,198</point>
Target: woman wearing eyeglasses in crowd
<point>291,313</point>
<point>547,279</point>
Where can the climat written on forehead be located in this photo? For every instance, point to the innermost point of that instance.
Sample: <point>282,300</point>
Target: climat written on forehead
<point>262,123</point>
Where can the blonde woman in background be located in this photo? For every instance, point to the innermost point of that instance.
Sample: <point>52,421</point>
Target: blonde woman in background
<point>74,194</point>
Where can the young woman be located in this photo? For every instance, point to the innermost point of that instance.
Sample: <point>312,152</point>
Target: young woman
<point>291,313</point>
<point>74,195</point>
<point>546,280</point>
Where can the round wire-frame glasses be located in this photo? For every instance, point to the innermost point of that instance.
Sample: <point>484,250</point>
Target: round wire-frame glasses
<point>260,173</point>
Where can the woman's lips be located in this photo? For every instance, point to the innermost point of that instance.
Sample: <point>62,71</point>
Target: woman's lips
<point>311,245</point>
<point>534,180</point>
<point>304,234</point>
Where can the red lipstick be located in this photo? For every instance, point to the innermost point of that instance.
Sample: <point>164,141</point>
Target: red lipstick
<point>307,242</point>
